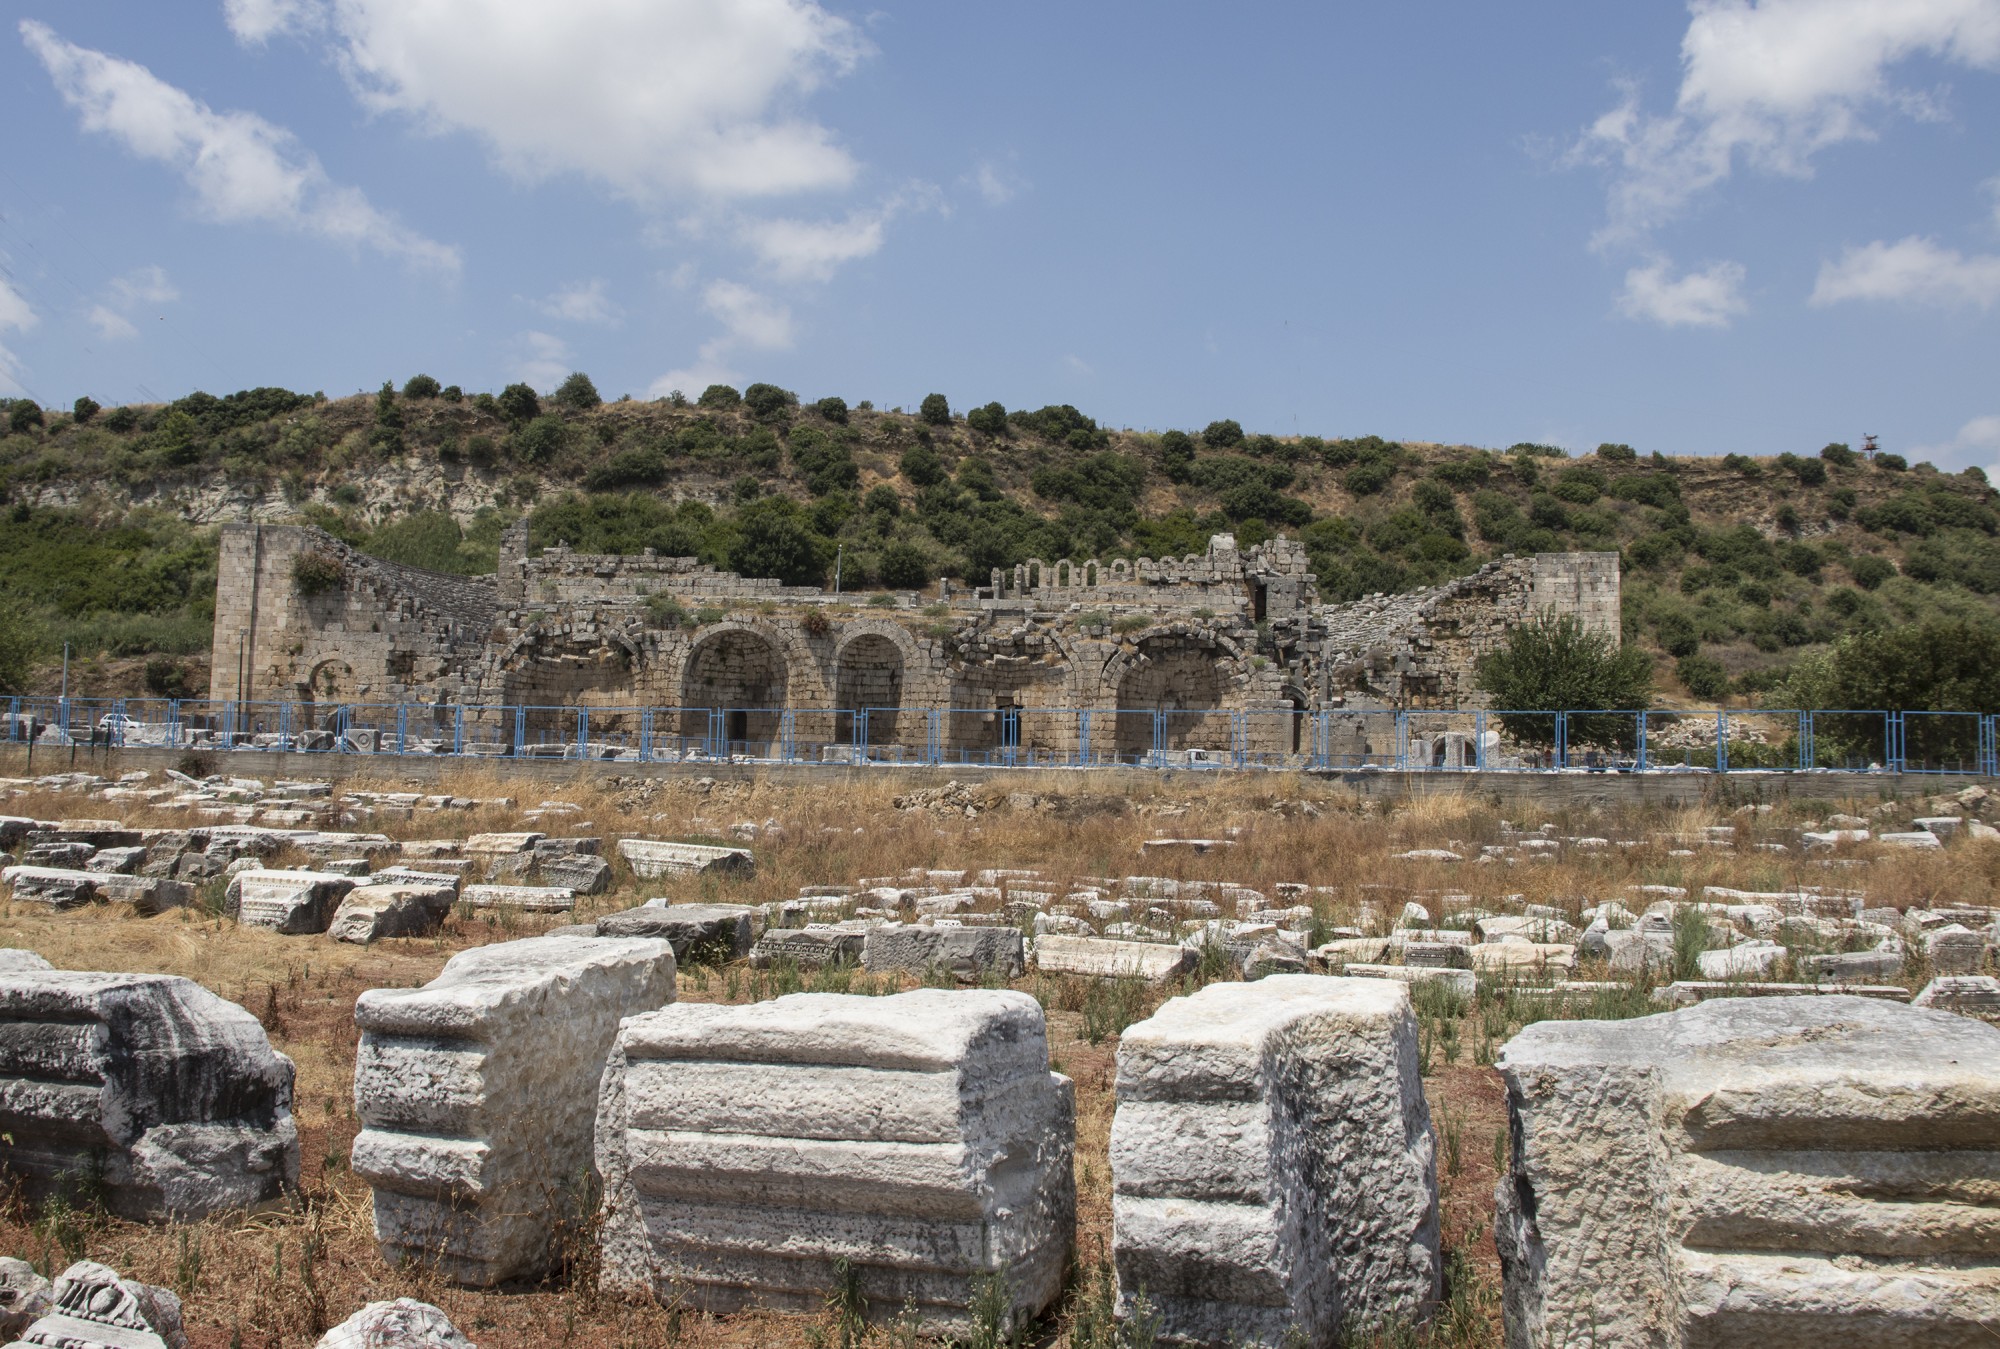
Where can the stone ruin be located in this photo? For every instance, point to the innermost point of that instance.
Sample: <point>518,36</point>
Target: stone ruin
<point>670,658</point>
<point>90,1307</point>
<point>476,1095</point>
<point>921,1136</point>
<point>147,1086</point>
<point>1785,1171</point>
<point>1274,1176</point>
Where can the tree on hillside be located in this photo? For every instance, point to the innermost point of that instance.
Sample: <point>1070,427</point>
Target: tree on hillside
<point>935,410</point>
<point>1221,435</point>
<point>768,400</point>
<point>576,394</point>
<point>989,420</point>
<point>518,403</point>
<point>18,646</point>
<point>774,540</point>
<point>421,386</point>
<point>1555,664</point>
<point>833,409</point>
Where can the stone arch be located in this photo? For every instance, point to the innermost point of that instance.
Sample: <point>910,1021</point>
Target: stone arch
<point>1298,729</point>
<point>330,680</point>
<point>1178,681</point>
<point>1121,571</point>
<point>870,674</point>
<point>1065,573</point>
<point>739,674</point>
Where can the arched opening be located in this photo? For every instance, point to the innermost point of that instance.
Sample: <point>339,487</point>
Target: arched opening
<point>1295,699</point>
<point>869,679</point>
<point>1172,689</point>
<point>735,688</point>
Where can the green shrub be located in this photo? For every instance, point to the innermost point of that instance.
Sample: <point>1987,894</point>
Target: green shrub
<point>518,404</point>
<point>84,409</point>
<point>1870,571</point>
<point>315,573</point>
<point>904,566</point>
<point>922,467</point>
<point>1617,453</point>
<point>421,386</point>
<point>768,401</point>
<point>935,410</point>
<point>1891,463</point>
<point>719,396</point>
<point>990,420</point>
<point>832,409</point>
<point>1702,676</point>
<point>1367,479</point>
<point>1557,664</point>
<point>1839,455</point>
<point>1222,435</point>
<point>1743,464</point>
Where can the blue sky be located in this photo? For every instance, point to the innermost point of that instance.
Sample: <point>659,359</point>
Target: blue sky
<point>1698,228</point>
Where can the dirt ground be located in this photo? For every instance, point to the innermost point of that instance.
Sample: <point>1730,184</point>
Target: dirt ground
<point>281,1278</point>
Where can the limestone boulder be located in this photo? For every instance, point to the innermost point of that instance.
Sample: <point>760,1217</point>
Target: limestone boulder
<point>921,1136</point>
<point>968,953</point>
<point>1809,1171</point>
<point>372,912</point>
<point>477,1095</point>
<point>1966,994</point>
<point>403,1324</point>
<point>1273,1171</point>
<point>292,903</point>
<point>701,934</point>
<point>92,1308</point>
<point>173,1097</point>
<point>577,873</point>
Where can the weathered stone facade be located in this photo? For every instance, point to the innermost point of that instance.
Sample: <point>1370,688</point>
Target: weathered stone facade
<point>1227,649</point>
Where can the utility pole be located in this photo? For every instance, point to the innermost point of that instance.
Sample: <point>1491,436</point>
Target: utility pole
<point>839,553</point>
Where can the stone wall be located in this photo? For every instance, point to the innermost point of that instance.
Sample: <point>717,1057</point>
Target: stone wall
<point>1225,650</point>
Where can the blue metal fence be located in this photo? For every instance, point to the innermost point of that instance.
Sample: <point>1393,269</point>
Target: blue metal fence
<point>1581,740</point>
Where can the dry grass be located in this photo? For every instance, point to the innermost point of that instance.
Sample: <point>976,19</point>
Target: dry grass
<point>279,1278</point>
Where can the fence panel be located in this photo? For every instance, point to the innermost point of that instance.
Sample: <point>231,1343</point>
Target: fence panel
<point>1943,742</point>
<point>1851,741</point>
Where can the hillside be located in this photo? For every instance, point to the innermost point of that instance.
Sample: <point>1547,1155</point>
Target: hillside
<point>1734,566</point>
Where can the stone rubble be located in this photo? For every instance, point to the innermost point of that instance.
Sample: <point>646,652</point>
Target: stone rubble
<point>403,1324</point>
<point>92,1308</point>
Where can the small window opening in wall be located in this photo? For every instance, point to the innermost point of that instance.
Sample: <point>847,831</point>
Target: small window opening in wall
<point>1257,601</point>
<point>739,725</point>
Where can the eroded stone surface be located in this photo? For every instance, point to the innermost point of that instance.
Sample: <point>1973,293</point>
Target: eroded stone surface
<point>174,1095</point>
<point>477,1094</point>
<point>700,933</point>
<point>1155,962</point>
<point>651,860</point>
<point>295,903</point>
<point>1779,1172</point>
<point>372,912</point>
<point>24,1296</point>
<point>969,953</point>
<point>92,1308</point>
<point>403,1324</point>
<point>920,1135</point>
<point>1272,1163</point>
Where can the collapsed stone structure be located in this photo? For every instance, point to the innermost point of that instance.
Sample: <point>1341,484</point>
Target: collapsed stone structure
<point>148,1086</point>
<point>1780,1171</point>
<point>1273,1173</point>
<point>477,1095</point>
<point>920,1136</point>
<point>1229,649</point>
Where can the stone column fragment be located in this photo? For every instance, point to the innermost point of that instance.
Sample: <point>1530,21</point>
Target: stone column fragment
<point>1273,1170</point>
<point>146,1085</point>
<point>477,1094</point>
<point>920,1136</point>
<point>1811,1171</point>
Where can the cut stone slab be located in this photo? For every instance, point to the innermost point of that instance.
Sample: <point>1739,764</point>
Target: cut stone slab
<point>477,1095</point>
<point>92,1308</point>
<point>702,934</point>
<point>174,1096</point>
<point>1966,994</point>
<point>580,874</point>
<point>1921,839</point>
<point>1463,983</point>
<point>969,953</point>
<point>489,844</point>
<point>403,1324</point>
<point>13,959</point>
<point>922,1136</point>
<point>1273,1169</point>
<point>1854,965</point>
<point>1956,949</point>
<point>372,912</point>
<point>1751,960</point>
<point>812,947</point>
<point>58,887</point>
<point>651,860</point>
<point>528,898</point>
<point>1794,1171</point>
<point>1155,962</point>
<point>292,903</point>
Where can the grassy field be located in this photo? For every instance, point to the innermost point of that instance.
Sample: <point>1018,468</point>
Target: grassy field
<point>279,1279</point>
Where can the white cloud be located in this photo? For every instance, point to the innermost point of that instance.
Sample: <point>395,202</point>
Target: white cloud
<point>146,285</point>
<point>541,359</point>
<point>813,250</point>
<point>996,185</point>
<point>240,167</point>
<point>15,311</point>
<point>1913,270</point>
<point>655,98</point>
<point>1977,442</point>
<point>258,21</point>
<point>1076,365</point>
<point>1709,298</point>
<point>111,325</point>
<point>750,320</point>
<point>581,302</point>
<point>1773,84</point>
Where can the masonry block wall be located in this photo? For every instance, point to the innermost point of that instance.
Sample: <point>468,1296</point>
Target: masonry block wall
<point>1229,649</point>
